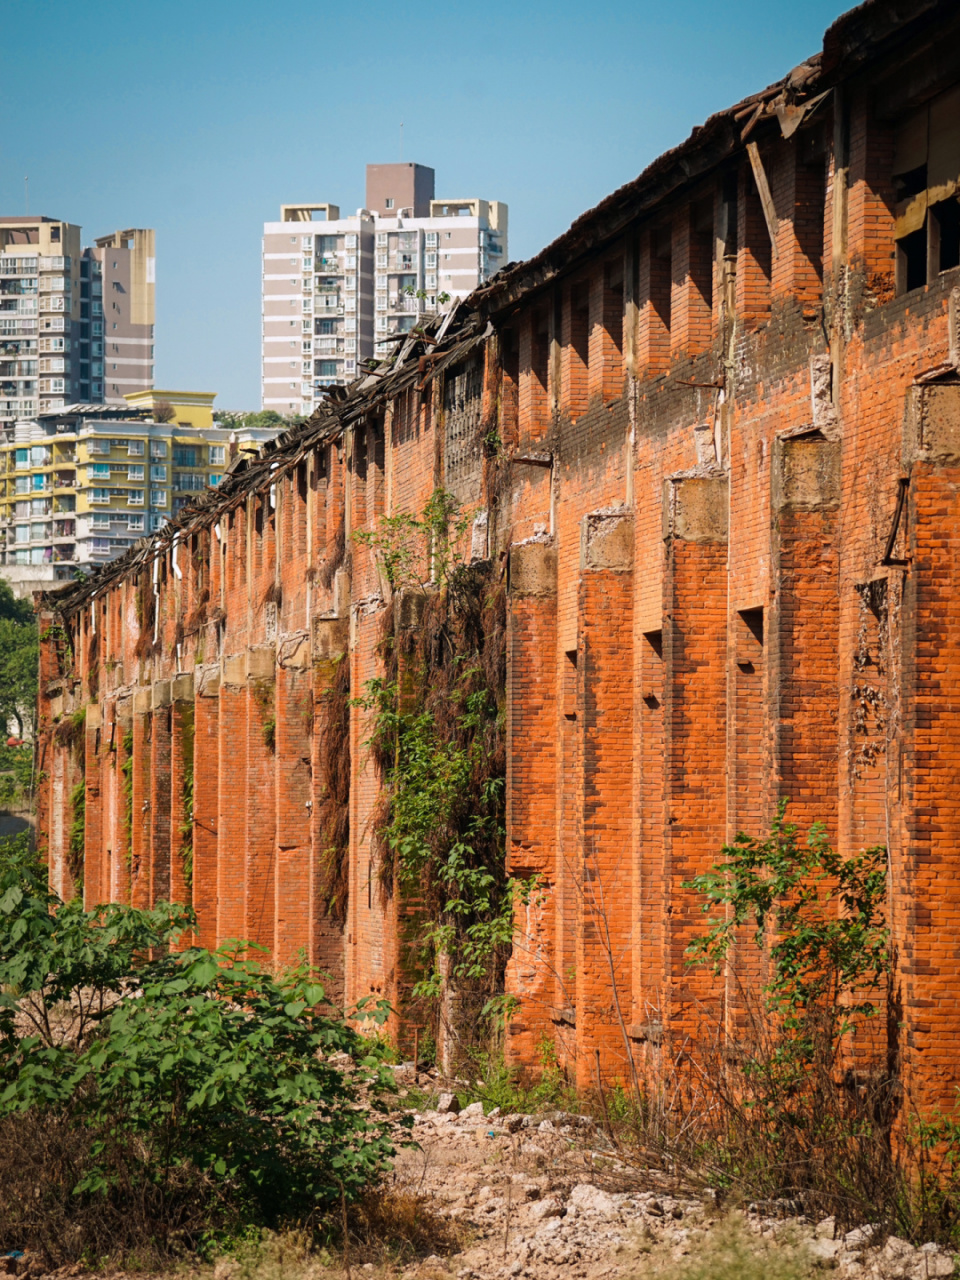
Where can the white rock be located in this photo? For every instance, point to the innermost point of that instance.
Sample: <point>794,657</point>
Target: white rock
<point>860,1237</point>
<point>449,1103</point>
<point>543,1209</point>
<point>472,1112</point>
<point>531,1149</point>
<point>824,1250</point>
<point>513,1123</point>
<point>590,1199</point>
<point>826,1229</point>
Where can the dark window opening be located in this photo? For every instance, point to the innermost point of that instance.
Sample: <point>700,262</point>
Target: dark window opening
<point>912,261</point>
<point>655,640</point>
<point>811,200</point>
<point>302,481</point>
<point>944,235</point>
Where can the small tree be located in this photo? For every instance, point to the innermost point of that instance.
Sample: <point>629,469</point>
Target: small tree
<point>822,917</point>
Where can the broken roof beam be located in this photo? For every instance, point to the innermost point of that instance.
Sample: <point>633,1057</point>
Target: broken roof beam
<point>766,199</point>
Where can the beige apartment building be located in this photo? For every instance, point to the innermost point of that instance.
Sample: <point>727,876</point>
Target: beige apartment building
<point>76,324</point>
<point>334,288</point>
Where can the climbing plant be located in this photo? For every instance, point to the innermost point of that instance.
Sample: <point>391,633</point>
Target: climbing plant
<point>437,737</point>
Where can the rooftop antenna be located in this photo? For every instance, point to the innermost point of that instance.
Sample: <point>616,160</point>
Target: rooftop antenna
<point>26,194</point>
<point>401,139</point>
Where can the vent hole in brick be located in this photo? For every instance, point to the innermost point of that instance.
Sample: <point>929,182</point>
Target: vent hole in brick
<point>570,684</point>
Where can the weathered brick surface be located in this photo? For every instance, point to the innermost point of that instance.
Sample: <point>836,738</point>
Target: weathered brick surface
<point>689,441</point>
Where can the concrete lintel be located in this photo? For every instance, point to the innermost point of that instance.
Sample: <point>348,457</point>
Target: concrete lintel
<point>410,603</point>
<point>182,687</point>
<point>806,473</point>
<point>207,682</point>
<point>606,541</point>
<point>261,662</point>
<point>533,568</point>
<point>142,701</point>
<point>124,713</point>
<point>234,669</point>
<point>331,638</point>
<point>933,424</point>
<point>694,508</point>
<point>161,694</point>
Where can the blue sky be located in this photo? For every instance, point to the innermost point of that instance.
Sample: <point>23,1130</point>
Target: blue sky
<point>199,117</point>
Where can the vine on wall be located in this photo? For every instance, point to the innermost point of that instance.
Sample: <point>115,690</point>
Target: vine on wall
<point>438,740</point>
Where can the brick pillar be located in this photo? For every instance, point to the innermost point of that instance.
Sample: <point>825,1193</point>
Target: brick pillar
<point>182,765</point>
<point>118,830</point>
<point>232,800</point>
<point>206,771</point>
<point>532,787</point>
<point>331,800</point>
<point>260,878</point>
<point>604,856</point>
<point>140,841</point>
<point>694,650</point>
<point>925,897</point>
<point>650,890</point>
<point>294,800</point>
<point>95,883</point>
<point>160,793</point>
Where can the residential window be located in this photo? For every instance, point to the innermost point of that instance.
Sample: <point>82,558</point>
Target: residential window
<point>101,520</point>
<point>158,448</point>
<point>101,545</point>
<point>217,455</point>
<point>23,458</point>
<point>327,368</point>
<point>98,471</point>
<point>215,480</point>
<point>135,524</point>
<point>134,497</point>
<point>23,533</point>
<point>388,203</point>
<point>188,480</point>
<point>158,498</point>
<point>184,456</point>
<point>100,496</point>
<point>135,448</point>
<point>158,474</point>
<point>134,473</point>
<point>22,484</point>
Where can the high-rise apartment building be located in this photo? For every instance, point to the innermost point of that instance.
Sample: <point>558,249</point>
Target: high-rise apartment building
<point>79,485</point>
<point>76,324</point>
<point>333,288</point>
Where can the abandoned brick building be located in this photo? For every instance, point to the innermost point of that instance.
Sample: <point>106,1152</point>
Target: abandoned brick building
<point>710,441</point>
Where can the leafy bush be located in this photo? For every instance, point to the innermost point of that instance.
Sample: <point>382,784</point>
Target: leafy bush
<point>202,1083</point>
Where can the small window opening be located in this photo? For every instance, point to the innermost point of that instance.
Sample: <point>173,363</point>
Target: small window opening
<point>750,640</point>
<point>570,684</point>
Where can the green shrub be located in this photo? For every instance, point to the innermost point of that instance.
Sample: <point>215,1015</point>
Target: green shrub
<point>200,1081</point>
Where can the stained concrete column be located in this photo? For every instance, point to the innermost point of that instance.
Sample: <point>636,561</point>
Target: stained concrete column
<point>206,773</point>
<point>604,855</point>
<point>531,797</point>
<point>694,650</point>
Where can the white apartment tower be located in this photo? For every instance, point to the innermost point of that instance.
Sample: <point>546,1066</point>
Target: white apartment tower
<point>76,324</point>
<point>333,288</point>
